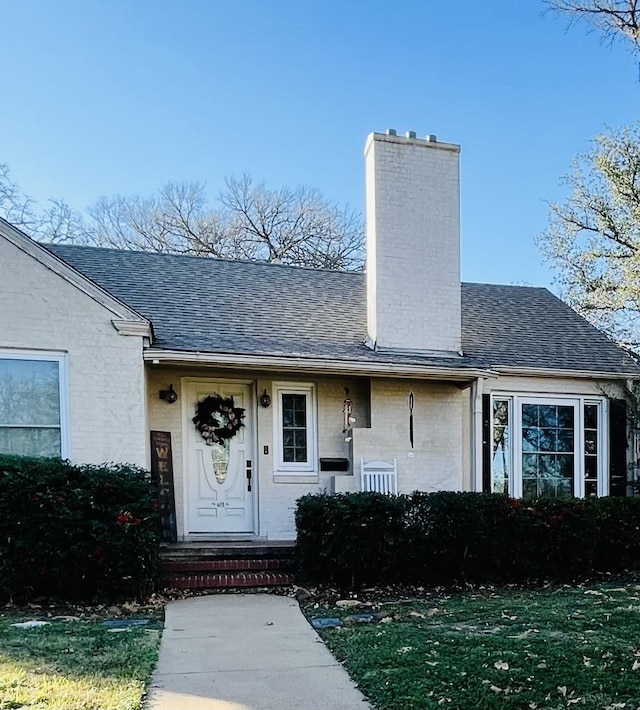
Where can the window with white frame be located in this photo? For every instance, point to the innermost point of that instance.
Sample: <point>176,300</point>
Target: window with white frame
<point>32,421</point>
<point>295,428</point>
<point>549,446</point>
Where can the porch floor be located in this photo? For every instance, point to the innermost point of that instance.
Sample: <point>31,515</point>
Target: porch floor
<point>222,548</point>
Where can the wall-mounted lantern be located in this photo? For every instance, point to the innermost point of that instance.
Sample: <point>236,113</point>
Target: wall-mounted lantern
<point>265,400</point>
<point>170,396</point>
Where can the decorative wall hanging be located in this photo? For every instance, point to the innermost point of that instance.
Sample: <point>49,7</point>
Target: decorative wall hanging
<point>347,416</point>
<point>411,400</point>
<point>217,419</point>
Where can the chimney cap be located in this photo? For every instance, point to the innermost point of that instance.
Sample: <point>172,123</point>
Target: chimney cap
<point>411,134</point>
<point>431,138</point>
<point>392,132</point>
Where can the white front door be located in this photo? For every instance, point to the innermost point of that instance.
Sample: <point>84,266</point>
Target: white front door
<point>219,501</point>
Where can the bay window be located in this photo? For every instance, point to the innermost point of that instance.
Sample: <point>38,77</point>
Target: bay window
<point>548,446</point>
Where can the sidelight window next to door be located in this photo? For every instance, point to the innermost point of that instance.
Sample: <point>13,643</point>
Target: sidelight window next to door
<point>548,447</point>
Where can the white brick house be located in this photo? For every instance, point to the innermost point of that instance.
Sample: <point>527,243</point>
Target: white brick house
<point>463,386</point>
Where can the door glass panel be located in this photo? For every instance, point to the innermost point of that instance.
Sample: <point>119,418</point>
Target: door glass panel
<point>548,450</point>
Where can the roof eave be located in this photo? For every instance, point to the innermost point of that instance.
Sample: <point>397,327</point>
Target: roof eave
<point>315,365</point>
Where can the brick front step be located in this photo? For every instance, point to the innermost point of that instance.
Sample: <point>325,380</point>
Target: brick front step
<point>223,580</point>
<point>188,566</point>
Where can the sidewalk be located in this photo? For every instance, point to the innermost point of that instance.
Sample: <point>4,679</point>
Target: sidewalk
<point>246,652</point>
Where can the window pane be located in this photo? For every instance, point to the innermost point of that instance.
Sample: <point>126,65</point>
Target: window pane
<point>590,416</point>
<point>501,464</point>
<point>547,450</point>
<point>565,417</point>
<point>548,415</point>
<point>565,466</point>
<point>591,488</point>
<point>564,440</point>
<point>529,415</point>
<point>590,467</point>
<point>300,438</point>
<point>531,439</point>
<point>294,403</point>
<point>547,439</point>
<point>500,412</point>
<point>591,421</point>
<point>529,465</point>
<point>29,393</point>
<point>30,442</point>
<point>294,428</point>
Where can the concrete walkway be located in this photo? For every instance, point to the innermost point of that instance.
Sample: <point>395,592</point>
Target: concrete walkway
<point>246,652</point>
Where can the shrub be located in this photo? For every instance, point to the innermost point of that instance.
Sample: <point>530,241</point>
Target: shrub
<point>76,532</point>
<point>352,539</point>
<point>349,539</point>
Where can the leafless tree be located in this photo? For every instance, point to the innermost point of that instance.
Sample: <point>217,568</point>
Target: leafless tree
<point>56,222</point>
<point>250,221</point>
<point>290,226</point>
<point>175,221</point>
<point>615,19</point>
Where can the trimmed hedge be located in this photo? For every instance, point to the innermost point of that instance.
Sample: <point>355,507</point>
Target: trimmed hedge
<point>78,533</point>
<point>444,538</point>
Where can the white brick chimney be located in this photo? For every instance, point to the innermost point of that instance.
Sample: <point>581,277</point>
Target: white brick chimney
<point>413,244</point>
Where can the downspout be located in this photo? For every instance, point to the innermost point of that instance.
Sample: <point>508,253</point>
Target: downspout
<point>477,390</point>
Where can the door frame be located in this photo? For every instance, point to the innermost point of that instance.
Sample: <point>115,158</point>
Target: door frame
<point>186,384</point>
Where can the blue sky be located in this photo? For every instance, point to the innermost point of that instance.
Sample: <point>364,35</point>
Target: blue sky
<point>118,96</point>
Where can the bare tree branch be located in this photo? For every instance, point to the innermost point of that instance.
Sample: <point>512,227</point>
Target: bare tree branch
<point>614,19</point>
<point>288,226</point>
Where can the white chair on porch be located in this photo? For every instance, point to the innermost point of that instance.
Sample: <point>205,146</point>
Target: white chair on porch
<point>379,477</point>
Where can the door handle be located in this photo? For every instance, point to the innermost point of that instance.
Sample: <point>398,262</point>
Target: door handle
<point>249,476</point>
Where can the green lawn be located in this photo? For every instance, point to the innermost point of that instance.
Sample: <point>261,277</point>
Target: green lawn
<point>75,665</point>
<point>527,650</point>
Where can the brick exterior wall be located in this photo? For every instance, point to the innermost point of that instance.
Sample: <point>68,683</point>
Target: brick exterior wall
<point>413,244</point>
<point>277,493</point>
<point>40,310</point>
<point>435,461</point>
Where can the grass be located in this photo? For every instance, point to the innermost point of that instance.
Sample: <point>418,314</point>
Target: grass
<point>74,665</point>
<point>526,650</point>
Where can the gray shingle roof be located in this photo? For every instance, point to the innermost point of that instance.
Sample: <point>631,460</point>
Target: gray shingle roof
<point>219,306</point>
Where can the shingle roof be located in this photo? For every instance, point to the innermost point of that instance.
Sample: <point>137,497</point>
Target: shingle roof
<point>220,306</point>
<point>524,326</point>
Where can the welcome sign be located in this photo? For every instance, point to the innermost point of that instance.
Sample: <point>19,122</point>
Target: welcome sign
<point>162,469</point>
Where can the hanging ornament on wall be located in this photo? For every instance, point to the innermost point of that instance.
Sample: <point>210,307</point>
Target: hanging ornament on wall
<point>411,401</point>
<point>347,416</point>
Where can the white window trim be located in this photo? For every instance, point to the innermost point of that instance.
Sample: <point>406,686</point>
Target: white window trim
<point>63,386</point>
<point>310,468</point>
<point>515,423</point>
